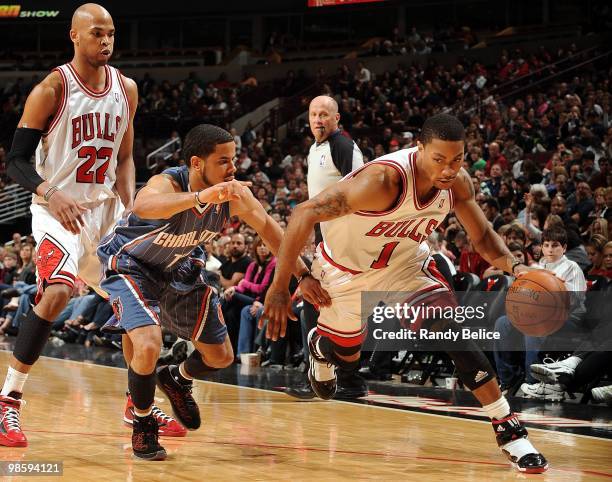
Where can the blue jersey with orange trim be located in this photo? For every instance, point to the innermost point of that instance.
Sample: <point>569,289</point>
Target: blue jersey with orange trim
<point>162,244</point>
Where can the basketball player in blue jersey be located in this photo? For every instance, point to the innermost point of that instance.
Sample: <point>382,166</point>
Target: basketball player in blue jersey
<point>154,277</point>
<point>374,222</point>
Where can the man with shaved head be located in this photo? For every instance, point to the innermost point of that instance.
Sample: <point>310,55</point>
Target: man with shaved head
<point>331,157</point>
<point>78,123</point>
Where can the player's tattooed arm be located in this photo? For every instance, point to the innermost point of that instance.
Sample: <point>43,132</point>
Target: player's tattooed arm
<point>330,205</point>
<point>375,188</point>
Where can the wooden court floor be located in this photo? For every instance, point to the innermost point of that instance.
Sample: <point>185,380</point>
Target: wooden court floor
<point>74,415</point>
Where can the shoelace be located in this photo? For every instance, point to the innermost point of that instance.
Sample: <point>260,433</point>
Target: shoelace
<point>11,416</point>
<point>182,400</point>
<point>549,361</point>
<point>158,413</point>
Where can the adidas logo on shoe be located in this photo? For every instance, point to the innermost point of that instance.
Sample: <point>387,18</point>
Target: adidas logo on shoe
<point>480,376</point>
<point>500,428</point>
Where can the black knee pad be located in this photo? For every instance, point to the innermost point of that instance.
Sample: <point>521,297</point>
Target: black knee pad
<point>33,334</point>
<point>195,366</point>
<point>473,367</point>
<point>330,351</point>
<point>142,388</point>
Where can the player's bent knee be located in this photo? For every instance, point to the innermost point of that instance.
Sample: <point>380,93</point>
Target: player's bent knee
<point>53,300</point>
<point>220,357</point>
<point>223,362</point>
<point>146,342</point>
<point>148,350</point>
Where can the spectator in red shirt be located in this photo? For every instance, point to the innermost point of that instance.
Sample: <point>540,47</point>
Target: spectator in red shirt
<point>471,262</point>
<point>495,157</point>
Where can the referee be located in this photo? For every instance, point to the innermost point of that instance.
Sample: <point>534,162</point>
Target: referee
<point>332,156</point>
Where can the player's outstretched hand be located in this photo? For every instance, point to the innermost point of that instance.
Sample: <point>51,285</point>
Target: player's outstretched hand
<point>313,292</point>
<point>224,191</point>
<point>277,308</point>
<point>67,211</point>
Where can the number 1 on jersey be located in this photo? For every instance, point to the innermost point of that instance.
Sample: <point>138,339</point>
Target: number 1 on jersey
<point>385,254</point>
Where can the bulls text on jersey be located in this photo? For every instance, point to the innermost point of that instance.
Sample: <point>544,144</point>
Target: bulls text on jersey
<point>417,229</point>
<point>92,125</point>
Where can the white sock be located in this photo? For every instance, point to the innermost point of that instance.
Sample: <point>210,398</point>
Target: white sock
<point>520,447</point>
<point>572,362</point>
<point>13,382</point>
<point>498,409</point>
<point>143,413</point>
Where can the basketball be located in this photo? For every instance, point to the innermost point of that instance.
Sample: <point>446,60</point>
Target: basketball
<point>538,303</point>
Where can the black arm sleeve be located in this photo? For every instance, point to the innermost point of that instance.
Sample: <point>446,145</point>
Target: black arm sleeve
<point>20,169</point>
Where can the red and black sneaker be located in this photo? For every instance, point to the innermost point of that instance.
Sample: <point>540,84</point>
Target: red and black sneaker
<point>168,427</point>
<point>512,439</point>
<point>183,404</point>
<point>10,430</point>
<point>145,439</point>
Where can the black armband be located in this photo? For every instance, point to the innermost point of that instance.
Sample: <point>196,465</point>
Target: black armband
<point>306,274</point>
<point>19,168</point>
<point>514,265</point>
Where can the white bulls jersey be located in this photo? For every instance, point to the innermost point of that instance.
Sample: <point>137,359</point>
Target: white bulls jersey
<point>366,241</point>
<point>78,153</point>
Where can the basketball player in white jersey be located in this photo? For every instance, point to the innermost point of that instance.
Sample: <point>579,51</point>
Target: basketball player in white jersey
<point>374,223</point>
<point>79,123</point>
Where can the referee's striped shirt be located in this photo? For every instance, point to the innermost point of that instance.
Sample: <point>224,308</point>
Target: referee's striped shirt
<point>330,161</point>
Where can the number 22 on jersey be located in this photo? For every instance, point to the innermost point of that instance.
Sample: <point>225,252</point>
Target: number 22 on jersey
<point>85,172</point>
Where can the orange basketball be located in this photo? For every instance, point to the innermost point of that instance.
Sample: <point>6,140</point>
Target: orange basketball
<point>538,303</point>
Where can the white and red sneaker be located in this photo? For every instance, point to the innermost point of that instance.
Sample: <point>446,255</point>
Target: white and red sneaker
<point>168,427</point>
<point>512,439</point>
<point>10,430</point>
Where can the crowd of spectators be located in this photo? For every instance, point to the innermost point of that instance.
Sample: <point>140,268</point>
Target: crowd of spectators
<point>538,161</point>
<point>415,42</point>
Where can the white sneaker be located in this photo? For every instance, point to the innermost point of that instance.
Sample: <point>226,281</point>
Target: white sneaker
<point>543,391</point>
<point>602,394</point>
<point>549,370</point>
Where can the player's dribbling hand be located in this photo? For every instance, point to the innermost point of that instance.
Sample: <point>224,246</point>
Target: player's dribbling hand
<point>67,211</point>
<point>277,308</point>
<point>521,269</point>
<point>224,191</point>
<point>313,292</point>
